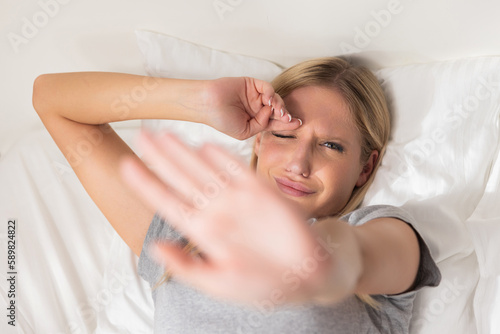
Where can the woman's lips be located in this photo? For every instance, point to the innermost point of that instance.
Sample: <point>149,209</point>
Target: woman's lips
<point>292,188</point>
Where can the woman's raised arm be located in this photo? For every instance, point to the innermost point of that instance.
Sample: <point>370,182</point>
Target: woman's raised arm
<point>77,107</point>
<point>239,107</point>
<point>99,97</point>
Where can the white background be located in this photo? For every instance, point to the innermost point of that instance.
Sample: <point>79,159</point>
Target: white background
<point>93,35</point>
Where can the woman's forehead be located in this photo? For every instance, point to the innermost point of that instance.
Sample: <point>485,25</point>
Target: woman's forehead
<point>322,107</point>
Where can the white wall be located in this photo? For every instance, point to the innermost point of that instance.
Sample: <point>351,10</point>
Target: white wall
<point>41,36</point>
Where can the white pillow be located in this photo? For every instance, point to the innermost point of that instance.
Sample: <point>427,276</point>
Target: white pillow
<point>444,141</point>
<point>170,57</point>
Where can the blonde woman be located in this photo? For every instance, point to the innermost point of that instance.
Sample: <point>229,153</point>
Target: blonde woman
<point>281,247</point>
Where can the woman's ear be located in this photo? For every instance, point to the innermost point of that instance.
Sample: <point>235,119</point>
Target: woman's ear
<point>367,169</point>
<point>256,145</point>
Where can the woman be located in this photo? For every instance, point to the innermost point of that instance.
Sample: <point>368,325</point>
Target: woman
<point>237,245</point>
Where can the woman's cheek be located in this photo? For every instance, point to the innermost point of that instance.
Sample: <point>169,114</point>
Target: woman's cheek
<point>273,151</point>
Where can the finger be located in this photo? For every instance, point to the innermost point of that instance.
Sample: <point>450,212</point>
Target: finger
<point>275,125</point>
<point>160,161</point>
<point>238,186</point>
<point>259,122</point>
<point>185,158</point>
<point>279,109</point>
<point>190,269</point>
<point>283,116</point>
<point>156,195</point>
<point>266,90</point>
<point>174,257</point>
<point>229,169</point>
<point>176,164</point>
<point>218,280</point>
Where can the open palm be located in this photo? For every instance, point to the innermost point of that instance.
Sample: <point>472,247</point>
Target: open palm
<point>248,235</point>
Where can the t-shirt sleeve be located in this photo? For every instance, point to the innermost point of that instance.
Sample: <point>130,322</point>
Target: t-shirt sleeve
<point>428,272</point>
<point>149,269</point>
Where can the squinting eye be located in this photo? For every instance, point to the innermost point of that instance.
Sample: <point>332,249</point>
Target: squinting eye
<point>280,136</point>
<point>334,146</point>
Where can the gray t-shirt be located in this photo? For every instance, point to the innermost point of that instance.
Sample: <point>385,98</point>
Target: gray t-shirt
<point>183,309</point>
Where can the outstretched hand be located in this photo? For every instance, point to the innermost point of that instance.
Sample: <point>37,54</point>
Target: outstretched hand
<point>252,241</point>
<point>242,107</point>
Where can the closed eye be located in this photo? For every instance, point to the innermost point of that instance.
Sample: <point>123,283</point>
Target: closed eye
<point>281,136</point>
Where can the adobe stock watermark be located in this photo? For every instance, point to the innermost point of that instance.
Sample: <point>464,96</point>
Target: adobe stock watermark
<point>364,35</point>
<point>88,311</point>
<point>120,108</point>
<point>436,307</point>
<point>31,25</point>
<point>222,7</point>
<point>116,284</point>
<point>211,189</point>
<point>292,279</point>
<point>123,104</point>
<point>62,171</point>
<point>426,147</point>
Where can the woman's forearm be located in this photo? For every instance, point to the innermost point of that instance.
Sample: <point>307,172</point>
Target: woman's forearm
<point>346,261</point>
<point>100,97</point>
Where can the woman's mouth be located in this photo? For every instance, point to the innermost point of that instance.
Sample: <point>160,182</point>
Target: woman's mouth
<point>292,188</point>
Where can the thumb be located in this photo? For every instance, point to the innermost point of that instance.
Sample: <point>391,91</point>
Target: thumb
<point>259,122</point>
<point>278,125</point>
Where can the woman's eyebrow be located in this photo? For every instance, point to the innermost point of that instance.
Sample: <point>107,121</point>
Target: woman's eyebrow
<point>328,135</point>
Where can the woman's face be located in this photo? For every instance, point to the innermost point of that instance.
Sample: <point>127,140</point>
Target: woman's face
<point>318,165</point>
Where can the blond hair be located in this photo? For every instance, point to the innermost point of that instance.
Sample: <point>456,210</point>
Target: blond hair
<point>366,101</point>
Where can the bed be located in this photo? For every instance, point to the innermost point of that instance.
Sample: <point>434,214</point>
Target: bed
<point>69,272</point>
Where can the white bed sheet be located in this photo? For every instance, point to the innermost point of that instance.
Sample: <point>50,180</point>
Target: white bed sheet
<point>71,265</point>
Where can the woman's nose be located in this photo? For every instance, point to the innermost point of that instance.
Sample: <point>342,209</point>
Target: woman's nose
<point>299,162</point>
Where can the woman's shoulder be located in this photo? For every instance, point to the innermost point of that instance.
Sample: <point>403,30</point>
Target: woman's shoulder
<point>428,272</point>
<point>364,214</point>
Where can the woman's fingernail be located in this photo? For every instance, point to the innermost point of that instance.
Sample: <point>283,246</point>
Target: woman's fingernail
<point>270,101</point>
<point>281,111</point>
<point>300,121</point>
<point>289,118</point>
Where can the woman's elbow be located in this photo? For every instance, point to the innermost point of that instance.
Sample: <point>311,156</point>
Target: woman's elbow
<point>40,98</point>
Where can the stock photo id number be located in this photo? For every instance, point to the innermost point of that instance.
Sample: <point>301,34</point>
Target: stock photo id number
<point>11,273</point>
